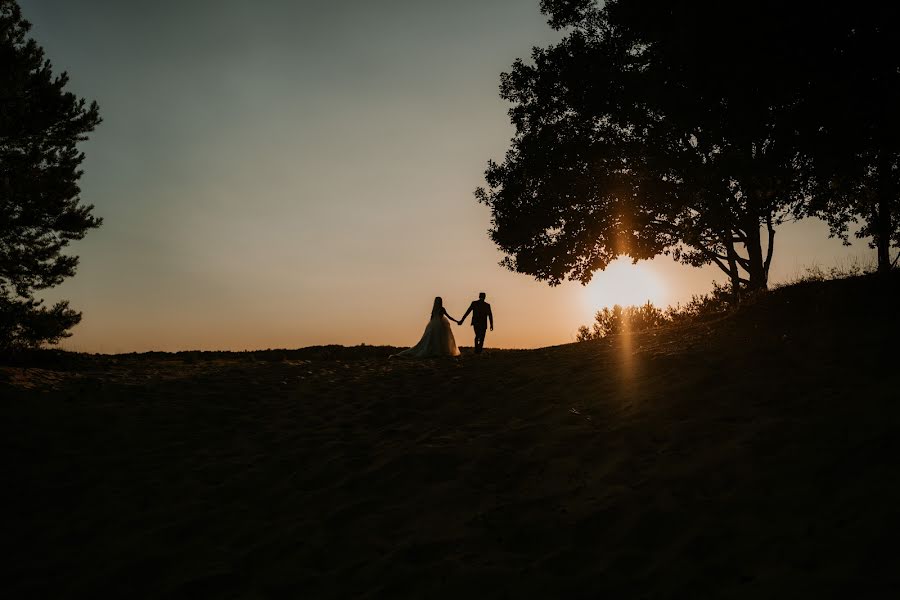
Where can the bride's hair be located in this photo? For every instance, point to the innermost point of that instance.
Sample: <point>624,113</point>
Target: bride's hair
<point>438,308</point>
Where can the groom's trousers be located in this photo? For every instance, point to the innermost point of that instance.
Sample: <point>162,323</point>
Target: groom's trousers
<point>480,332</point>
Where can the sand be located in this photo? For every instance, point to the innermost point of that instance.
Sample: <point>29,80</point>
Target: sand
<point>749,456</point>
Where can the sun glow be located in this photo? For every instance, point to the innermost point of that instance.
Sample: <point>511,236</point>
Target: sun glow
<point>625,284</point>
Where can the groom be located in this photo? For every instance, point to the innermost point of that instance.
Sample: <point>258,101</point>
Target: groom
<point>481,312</point>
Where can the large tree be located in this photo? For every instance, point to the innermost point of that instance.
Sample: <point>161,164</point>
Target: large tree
<point>655,127</point>
<point>852,124</point>
<point>40,208</point>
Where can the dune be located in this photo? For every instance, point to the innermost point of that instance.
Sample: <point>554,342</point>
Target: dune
<point>748,456</point>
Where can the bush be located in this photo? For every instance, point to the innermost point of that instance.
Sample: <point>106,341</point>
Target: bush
<point>641,318</point>
<point>618,319</point>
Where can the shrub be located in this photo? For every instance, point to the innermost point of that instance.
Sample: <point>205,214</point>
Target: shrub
<point>618,319</point>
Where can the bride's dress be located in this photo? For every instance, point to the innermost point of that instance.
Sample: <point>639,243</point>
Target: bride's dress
<point>436,341</point>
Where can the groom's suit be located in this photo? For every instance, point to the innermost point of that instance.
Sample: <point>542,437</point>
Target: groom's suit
<point>481,313</point>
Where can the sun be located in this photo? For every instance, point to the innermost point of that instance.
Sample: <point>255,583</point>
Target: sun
<point>625,284</point>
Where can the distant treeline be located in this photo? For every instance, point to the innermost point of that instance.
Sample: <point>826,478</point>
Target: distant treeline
<point>62,359</point>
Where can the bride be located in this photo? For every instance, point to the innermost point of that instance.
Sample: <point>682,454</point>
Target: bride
<point>438,337</point>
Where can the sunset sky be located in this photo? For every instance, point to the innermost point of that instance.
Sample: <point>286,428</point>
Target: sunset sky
<point>291,173</point>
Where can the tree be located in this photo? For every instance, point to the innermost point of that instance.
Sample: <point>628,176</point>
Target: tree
<point>40,208</point>
<point>655,128</point>
<point>853,128</point>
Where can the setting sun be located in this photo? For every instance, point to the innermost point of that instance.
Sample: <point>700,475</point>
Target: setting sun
<point>626,284</point>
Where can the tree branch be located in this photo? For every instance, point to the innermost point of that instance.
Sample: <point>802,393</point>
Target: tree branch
<point>721,265</point>
<point>712,256</point>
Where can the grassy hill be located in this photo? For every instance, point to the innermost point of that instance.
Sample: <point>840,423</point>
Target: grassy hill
<point>752,456</point>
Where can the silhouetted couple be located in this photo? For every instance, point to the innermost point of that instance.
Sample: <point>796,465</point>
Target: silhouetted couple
<point>438,338</point>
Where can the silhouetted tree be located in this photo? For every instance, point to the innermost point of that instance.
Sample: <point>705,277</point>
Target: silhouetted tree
<point>40,126</point>
<point>852,126</point>
<point>656,127</point>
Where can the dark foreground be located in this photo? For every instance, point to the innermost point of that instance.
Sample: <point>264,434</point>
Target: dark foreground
<point>754,456</point>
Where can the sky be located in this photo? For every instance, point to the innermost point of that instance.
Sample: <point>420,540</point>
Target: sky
<point>285,173</point>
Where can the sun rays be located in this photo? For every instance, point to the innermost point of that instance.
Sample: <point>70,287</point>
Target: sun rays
<point>625,284</point>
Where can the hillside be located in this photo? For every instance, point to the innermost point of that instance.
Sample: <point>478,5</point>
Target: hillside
<point>751,456</point>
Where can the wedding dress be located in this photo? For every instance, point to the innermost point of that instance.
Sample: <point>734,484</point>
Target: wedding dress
<point>436,341</point>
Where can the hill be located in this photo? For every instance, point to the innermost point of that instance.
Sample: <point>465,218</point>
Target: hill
<point>750,456</point>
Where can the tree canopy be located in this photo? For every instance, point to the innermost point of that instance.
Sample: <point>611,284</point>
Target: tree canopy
<point>852,127</point>
<point>40,208</point>
<point>662,128</point>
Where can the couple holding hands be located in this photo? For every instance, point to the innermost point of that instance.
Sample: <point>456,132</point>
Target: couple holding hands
<point>438,338</point>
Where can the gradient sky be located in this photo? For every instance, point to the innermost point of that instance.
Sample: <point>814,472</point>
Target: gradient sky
<point>291,173</point>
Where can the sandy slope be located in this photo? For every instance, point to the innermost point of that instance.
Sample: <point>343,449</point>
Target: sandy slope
<point>752,456</point>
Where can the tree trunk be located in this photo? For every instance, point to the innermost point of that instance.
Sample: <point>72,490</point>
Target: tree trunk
<point>733,269</point>
<point>883,234</point>
<point>882,230</point>
<point>770,229</point>
<point>756,266</point>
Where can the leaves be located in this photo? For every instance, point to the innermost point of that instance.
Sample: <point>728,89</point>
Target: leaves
<point>659,128</point>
